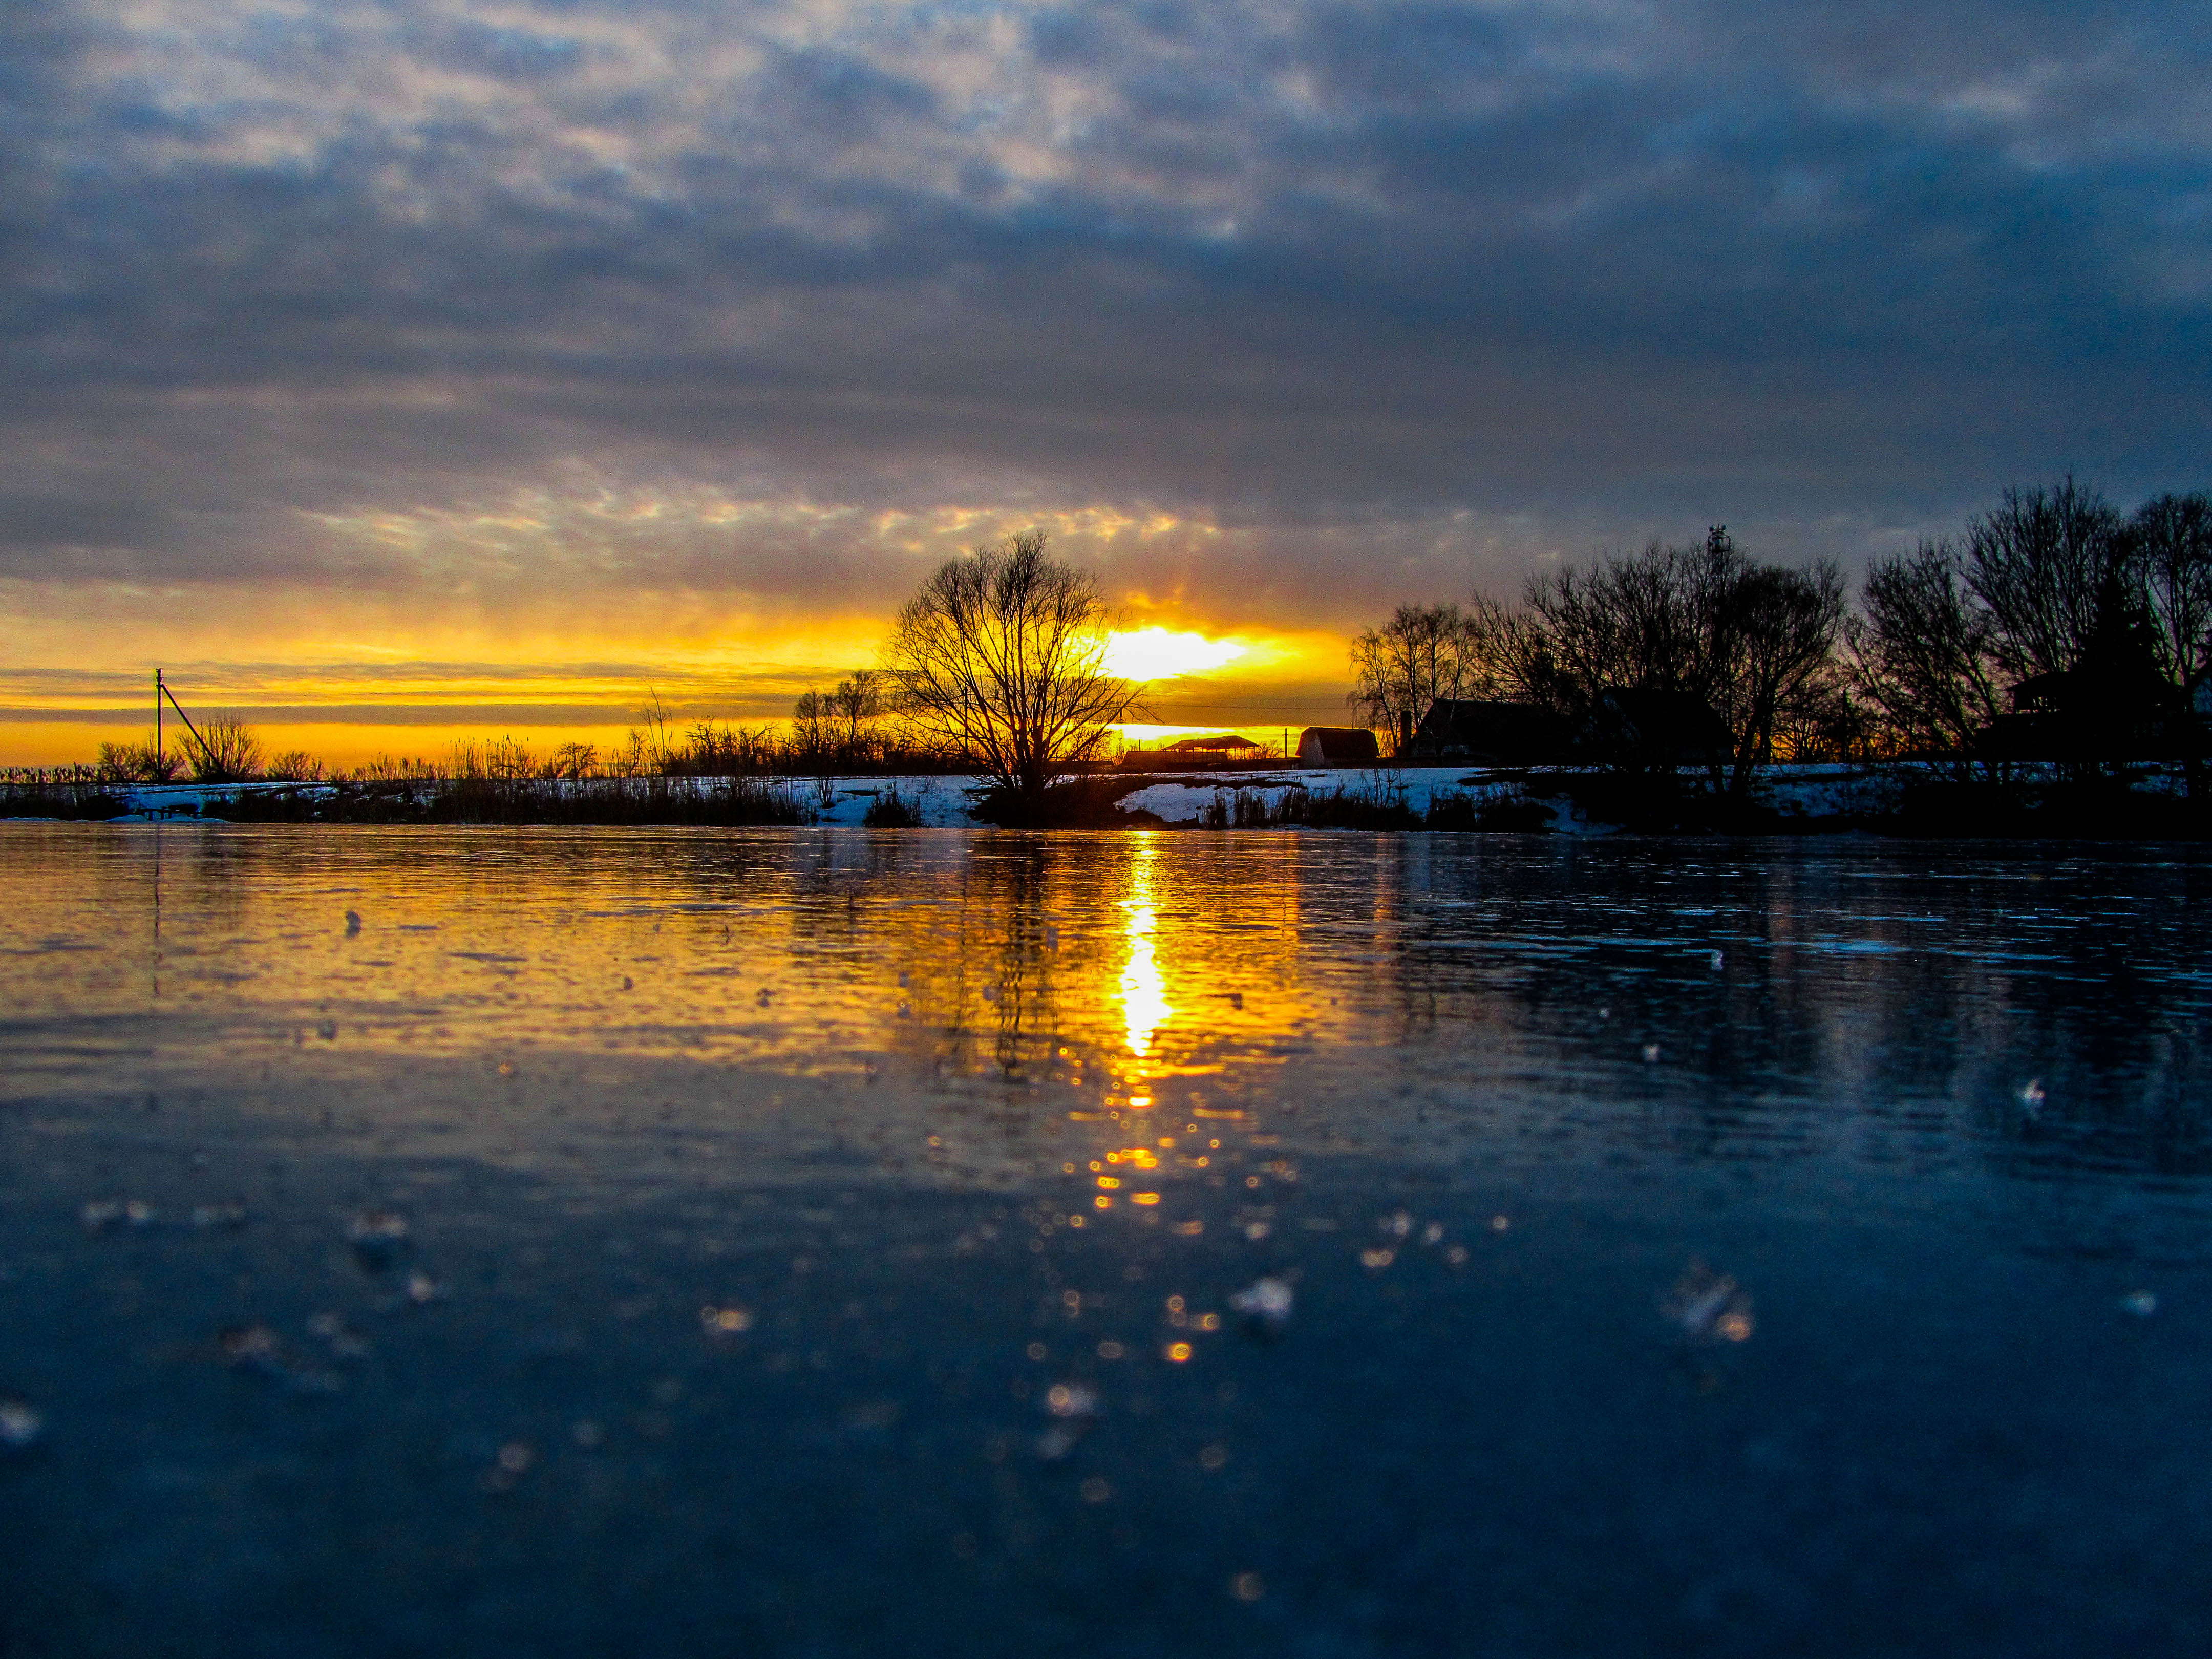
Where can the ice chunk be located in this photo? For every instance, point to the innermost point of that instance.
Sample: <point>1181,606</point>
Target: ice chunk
<point>19,1426</point>
<point>1265,1302</point>
<point>1709,1307</point>
<point>379,1238</point>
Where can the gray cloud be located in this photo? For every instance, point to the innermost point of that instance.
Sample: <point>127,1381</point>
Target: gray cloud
<point>1366,297</point>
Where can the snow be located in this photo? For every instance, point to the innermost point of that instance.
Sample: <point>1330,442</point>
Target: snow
<point>943,802</point>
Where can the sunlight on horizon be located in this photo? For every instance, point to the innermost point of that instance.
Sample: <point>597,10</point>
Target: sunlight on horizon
<point>1160,653</point>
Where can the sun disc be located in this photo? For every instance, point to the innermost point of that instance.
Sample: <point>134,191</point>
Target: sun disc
<point>1161,654</point>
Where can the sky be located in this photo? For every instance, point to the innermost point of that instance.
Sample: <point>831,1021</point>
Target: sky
<point>388,371</point>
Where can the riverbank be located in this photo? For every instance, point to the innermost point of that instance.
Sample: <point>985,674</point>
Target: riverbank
<point>2149,802</point>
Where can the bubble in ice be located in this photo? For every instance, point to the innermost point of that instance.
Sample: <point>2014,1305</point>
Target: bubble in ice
<point>226,1217</point>
<point>422,1289</point>
<point>345,1341</point>
<point>514,1459</point>
<point>258,1349</point>
<point>104,1213</point>
<point>725,1321</point>
<point>1071,1399</point>
<point>1265,1302</point>
<point>252,1348</point>
<point>1074,1406</point>
<point>20,1425</point>
<point>1716,961</point>
<point>2141,1304</point>
<point>1709,1307</point>
<point>1396,1224</point>
<point>1650,1053</point>
<point>2032,1097</point>
<point>379,1237</point>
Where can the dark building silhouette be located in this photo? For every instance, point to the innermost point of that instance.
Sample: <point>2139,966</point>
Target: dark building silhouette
<point>2114,703</point>
<point>1338,746</point>
<point>1640,730</point>
<point>1228,749</point>
<point>1464,732</point>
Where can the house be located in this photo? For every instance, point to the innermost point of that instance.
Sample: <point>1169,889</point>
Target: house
<point>2113,704</point>
<point>1458,731</point>
<point>1645,730</point>
<point>1338,746</point>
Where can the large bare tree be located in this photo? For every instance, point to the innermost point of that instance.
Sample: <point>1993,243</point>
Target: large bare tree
<point>1755,641</point>
<point>2042,562</point>
<point>1924,653</point>
<point>1001,658</point>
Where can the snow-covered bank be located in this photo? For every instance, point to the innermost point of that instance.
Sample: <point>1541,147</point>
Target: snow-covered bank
<point>1561,801</point>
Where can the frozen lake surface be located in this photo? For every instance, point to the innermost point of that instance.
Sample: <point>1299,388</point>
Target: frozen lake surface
<point>940,1242</point>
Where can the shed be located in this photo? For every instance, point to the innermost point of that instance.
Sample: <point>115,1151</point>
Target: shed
<point>1338,746</point>
<point>1229,747</point>
<point>1490,734</point>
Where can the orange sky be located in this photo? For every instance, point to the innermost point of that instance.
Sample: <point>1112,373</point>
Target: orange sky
<point>352,680</point>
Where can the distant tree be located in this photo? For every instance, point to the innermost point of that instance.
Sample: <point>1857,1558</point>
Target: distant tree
<point>575,760</point>
<point>1000,658</point>
<point>856,703</point>
<point>228,750</point>
<point>1756,643</point>
<point>1773,655</point>
<point>1924,653</point>
<point>2040,562</point>
<point>296,766</point>
<point>1424,652</point>
<point>813,727</point>
<point>141,762</point>
<point>2170,540</point>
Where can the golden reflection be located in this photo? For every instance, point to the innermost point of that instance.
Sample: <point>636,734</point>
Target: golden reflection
<point>1145,1005</point>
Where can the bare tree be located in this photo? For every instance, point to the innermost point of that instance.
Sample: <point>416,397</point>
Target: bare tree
<point>1923,652</point>
<point>1424,652</point>
<point>1000,658</point>
<point>812,726</point>
<point>1755,642</point>
<point>856,704</point>
<point>1652,622</point>
<point>2170,541</point>
<point>229,751</point>
<point>141,762</point>
<point>1773,651</point>
<point>2040,561</point>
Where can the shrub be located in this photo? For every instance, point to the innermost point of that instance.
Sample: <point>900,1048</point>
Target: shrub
<point>893,810</point>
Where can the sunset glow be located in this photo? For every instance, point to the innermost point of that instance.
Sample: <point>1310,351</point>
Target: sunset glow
<point>1162,653</point>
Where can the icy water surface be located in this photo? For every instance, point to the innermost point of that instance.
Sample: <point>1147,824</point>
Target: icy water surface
<point>828,1243</point>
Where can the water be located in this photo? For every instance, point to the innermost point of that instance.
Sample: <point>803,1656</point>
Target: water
<point>823,1242</point>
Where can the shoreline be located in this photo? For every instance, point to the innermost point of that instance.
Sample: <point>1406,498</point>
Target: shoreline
<point>1899,799</point>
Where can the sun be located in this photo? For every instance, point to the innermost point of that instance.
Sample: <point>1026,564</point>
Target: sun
<point>1161,654</point>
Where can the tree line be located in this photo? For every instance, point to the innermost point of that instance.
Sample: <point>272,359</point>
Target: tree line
<point>2053,604</point>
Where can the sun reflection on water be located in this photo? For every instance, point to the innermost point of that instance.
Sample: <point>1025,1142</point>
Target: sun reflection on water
<point>1145,1005</point>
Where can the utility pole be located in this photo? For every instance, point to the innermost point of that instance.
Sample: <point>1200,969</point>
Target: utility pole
<point>157,726</point>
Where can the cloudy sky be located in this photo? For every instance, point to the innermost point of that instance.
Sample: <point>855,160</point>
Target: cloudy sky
<point>453,361</point>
